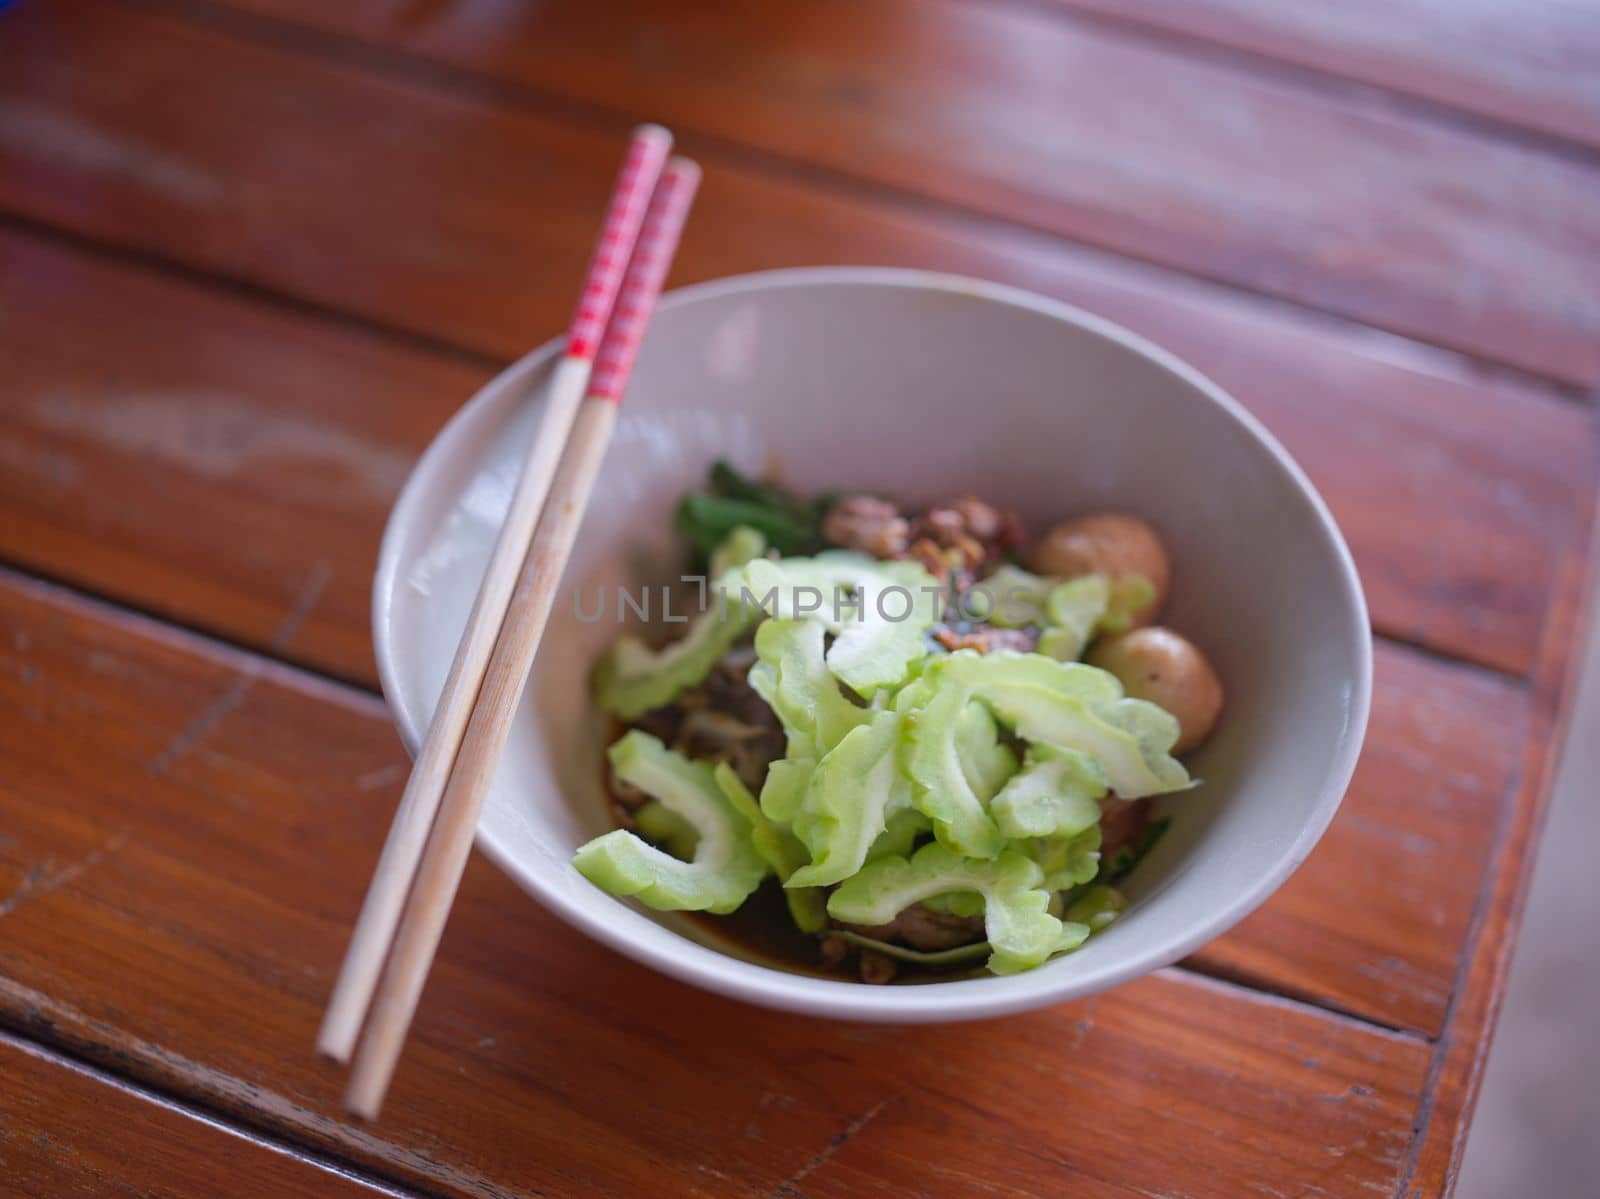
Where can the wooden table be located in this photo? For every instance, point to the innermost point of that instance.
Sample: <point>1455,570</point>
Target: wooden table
<point>254,252</point>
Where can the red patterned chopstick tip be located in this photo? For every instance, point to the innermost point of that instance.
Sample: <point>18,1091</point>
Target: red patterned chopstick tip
<point>647,272</point>
<point>630,199</point>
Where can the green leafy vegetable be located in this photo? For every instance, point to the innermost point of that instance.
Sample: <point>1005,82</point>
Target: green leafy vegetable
<point>725,868</point>
<point>789,525</point>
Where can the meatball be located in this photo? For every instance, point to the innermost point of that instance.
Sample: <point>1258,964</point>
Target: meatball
<point>1165,668</point>
<point>1106,543</point>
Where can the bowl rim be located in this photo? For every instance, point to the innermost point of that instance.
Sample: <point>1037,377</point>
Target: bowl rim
<point>704,966</point>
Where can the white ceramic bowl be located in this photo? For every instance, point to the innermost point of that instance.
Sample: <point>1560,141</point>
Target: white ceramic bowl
<point>923,386</point>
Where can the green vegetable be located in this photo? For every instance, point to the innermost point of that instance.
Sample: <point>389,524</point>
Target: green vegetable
<point>1074,611</point>
<point>725,868</point>
<point>848,801</point>
<point>1130,595</point>
<point>1056,793</point>
<point>1072,706</point>
<point>986,761</point>
<point>789,526</point>
<point>1067,861</point>
<point>878,612</point>
<point>1122,863</point>
<point>944,790</point>
<point>785,788</point>
<point>1021,932</point>
<point>660,825</point>
<point>792,676</point>
<point>956,903</point>
<point>631,678</point>
<point>900,833</point>
<point>954,956</point>
<point>742,544</point>
<point>1097,907</point>
<point>1069,614</point>
<point>1010,598</point>
<point>778,847</point>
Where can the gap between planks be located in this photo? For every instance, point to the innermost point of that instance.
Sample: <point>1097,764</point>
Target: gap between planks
<point>64,1059</point>
<point>245,656</point>
<point>283,34</point>
<point>253,664</point>
<point>1567,625</point>
<point>1273,68</point>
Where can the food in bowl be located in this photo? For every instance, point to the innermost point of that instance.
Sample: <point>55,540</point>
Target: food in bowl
<point>922,746</point>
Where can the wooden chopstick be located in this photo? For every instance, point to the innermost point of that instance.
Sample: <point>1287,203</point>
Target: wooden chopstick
<point>450,842</point>
<point>397,866</point>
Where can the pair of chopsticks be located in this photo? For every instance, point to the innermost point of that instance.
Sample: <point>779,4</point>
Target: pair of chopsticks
<point>430,840</point>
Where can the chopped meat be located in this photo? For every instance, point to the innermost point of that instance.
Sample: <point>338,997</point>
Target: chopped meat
<point>981,520</point>
<point>628,797</point>
<point>985,638</point>
<point>719,720</point>
<point>923,928</point>
<point>1122,822</point>
<point>877,967</point>
<point>662,723</point>
<point>728,690</point>
<point>867,524</point>
<point>945,565</point>
<point>978,534</point>
<point>833,951</point>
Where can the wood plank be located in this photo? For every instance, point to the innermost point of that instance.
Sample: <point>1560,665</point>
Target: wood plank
<point>1393,961</point>
<point>1528,63</point>
<point>1339,202</point>
<point>1375,921</point>
<point>136,453</point>
<point>66,1130</point>
<point>1460,1057</point>
<point>189,940</point>
<point>218,460</point>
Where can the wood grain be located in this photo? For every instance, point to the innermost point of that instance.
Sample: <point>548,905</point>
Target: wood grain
<point>188,939</point>
<point>1528,63</point>
<point>236,480</point>
<point>66,1130</point>
<point>217,460</point>
<point>185,827</point>
<point>1459,1059</point>
<point>1340,202</point>
<point>1375,921</point>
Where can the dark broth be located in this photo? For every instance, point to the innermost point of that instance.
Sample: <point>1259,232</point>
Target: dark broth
<point>761,932</point>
